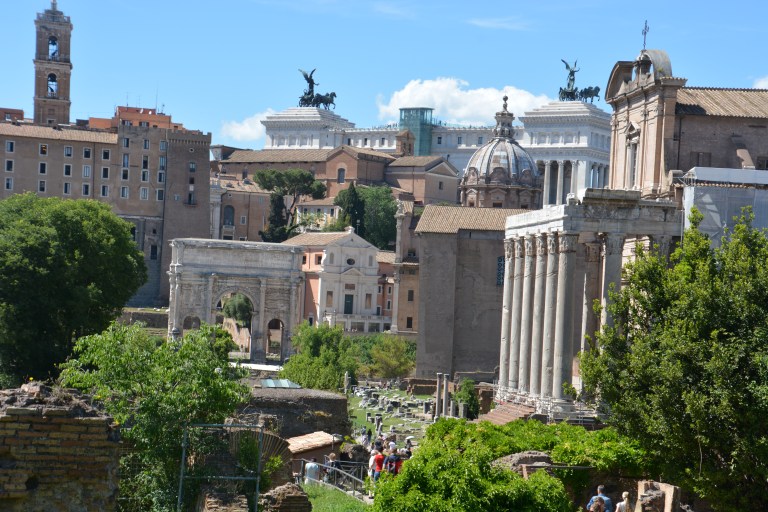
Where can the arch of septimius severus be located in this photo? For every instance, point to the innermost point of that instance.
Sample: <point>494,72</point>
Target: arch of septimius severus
<point>203,272</point>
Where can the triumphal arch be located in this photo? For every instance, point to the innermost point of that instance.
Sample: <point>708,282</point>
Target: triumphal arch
<point>204,273</point>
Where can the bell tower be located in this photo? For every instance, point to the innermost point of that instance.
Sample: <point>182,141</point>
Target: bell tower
<point>53,69</point>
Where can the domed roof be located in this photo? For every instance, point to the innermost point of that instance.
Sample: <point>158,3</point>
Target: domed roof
<point>502,159</point>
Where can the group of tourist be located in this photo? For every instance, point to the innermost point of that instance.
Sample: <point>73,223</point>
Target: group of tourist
<point>602,503</point>
<point>387,457</point>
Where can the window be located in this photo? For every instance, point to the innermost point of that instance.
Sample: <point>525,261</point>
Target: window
<point>379,292</point>
<point>153,252</point>
<point>330,258</point>
<point>191,198</point>
<point>229,215</point>
<point>160,195</point>
<point>126,160</point>
<point>409,322</point>
<point>86,171</point>
<point>161,164</point>
<point>350,261</point>
<point>86,189</point>
<point>365,141</point>
<point>146,143</point>
<point>410,295</point>
<point>411,252</point>
<point>378,310</point>
<point>389,305</point>
<point>459,140</point>
<point>41,186</point>
<point>144,124</point>
<point>126,142</point>
<point>318,259</point>
<point>382,142</point>
<point>349,141</point>
<point>67,170</point>
<point>8,183</point>
<point>144,193</point>
<point>368,300</point>
<point>9,146</point>
<point>145,162</point>
<point>105,173</point>
<point>43,168</point>
<point>163,145</point>
<point>330,212</point>
<point>192,180</point>
<point>161,177</point>
<point>479,140</point>
<point>389,291</point>
<point>329,299</point>
<point>243,219</point>
<point>124,192</point>
<point>440,185</point>
<point>86,152</point>
<point>124,175</point>
<point>9,166</point>
<point>43,149</point>
<point>304,260</point>
<point>105,154</point>
<point>68,151</point>
<point>340,175</point>
<point>67,188</point>
<point>105,191</point>
<point>439,140</point>
<point>144,175</point>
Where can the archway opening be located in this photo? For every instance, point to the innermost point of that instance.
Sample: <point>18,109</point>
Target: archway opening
<point>191,322</point>
<point>275,332</point>
<point>53,48</point>
<point>237,311</point>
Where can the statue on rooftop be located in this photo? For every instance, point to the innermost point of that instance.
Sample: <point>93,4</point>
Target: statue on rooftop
<point>572,70</point>
<point>310,99</point>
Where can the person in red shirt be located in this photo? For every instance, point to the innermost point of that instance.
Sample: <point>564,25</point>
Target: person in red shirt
<point>378,465</point>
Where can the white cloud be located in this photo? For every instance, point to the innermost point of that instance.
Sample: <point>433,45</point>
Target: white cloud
<point>454,103</point>
<point>761,83</point>
<point>249,129</point>
<point>499,23</point>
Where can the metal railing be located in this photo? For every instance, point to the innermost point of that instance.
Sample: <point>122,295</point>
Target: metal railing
<point>348,477</point>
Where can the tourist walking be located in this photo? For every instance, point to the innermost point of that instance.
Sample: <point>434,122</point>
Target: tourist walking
<point>312,471</point>
<point>608,504</point>
<point>623,505</point>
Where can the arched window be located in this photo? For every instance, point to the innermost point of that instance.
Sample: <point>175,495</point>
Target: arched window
<point>229,215</point>
<point>53,48</point>
<point>330,258</point>
<point>53,86</point>
<point>340,175</point>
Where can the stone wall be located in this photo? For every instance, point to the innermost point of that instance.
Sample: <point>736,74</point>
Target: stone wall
<point>301,411</point>
<point>56,452</point>
<point>287,498</point>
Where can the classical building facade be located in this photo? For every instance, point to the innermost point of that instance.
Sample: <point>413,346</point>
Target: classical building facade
<point>559,260</point>
<point>152,171</point>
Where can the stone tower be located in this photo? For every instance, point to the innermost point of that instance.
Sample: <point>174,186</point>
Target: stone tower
<point>53,68</point>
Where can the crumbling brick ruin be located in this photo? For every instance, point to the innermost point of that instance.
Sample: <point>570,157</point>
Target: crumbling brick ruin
<point>286,498</point>
<point>57,452</point>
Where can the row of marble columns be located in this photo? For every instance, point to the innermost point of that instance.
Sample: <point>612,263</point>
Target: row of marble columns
<point>543,321</point>
<point>561,187</point>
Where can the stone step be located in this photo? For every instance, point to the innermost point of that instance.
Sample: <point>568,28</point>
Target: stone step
<point>507,412</point>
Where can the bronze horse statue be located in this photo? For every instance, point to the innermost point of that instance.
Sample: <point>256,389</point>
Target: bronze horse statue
<point>326,100</point>
<point>589,93</point>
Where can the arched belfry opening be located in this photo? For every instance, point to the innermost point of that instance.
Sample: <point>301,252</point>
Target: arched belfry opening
<point>53,48</point>
<point>53,86</point>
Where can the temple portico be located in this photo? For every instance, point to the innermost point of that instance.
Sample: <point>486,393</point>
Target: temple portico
<point>559,260</point>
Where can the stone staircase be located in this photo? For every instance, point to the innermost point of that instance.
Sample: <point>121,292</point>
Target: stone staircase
<point>506,412</point>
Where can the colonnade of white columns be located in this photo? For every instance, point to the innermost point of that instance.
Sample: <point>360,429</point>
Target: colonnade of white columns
<point>594,176</point>
<point>543,322</point>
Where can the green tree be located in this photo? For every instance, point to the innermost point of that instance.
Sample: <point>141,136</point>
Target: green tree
<point>154,388</point>
<point>66,270</point>
<point>351,203</point>
<point>379,209</point>
<point>466,395</point>
<point>324,355</point>
<point>291,183</point>
<point>240,308</point>
<point>684,369</point>
<point>392,357</point>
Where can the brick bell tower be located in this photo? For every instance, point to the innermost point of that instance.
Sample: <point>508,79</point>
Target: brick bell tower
<point>53,69</point>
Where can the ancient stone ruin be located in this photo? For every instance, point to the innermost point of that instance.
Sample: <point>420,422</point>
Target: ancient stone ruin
<point>57,452</point>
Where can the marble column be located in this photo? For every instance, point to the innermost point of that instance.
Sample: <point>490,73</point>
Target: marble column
<point>563,352</point>
<point>509,271</point>
<point>514,325</point>
<point>446,411</point>
<point>613,247</point>
<point>526,317</point>
<point>661,245</point>
<point>548,330</point>
<point>547,182</point>
<point>574,176</point>
<point>538,313</point>
<point>560,180</point>
<point>591,274</point>
<point>438,394</point>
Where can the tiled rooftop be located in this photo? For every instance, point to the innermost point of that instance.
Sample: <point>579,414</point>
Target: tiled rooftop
<point>450,219</point>
<point>46,132</point>
<point>722,102</point>
<point>314,239</point>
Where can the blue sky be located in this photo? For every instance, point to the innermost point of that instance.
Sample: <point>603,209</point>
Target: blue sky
<point>221,66</point>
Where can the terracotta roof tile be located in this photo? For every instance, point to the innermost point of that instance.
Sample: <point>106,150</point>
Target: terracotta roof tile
<point>722,102</point>
<point>385,257</point>
<point>248,156</point>
<point>326,201</point>
<point>450,219</point>
<point>314,239</point>
<point>414,161</point>
<point>46,132</point>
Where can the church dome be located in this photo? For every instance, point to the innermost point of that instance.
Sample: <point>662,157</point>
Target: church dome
<point>501,160</point>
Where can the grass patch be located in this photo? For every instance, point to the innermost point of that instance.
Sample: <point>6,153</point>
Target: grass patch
<point>325,499</point>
